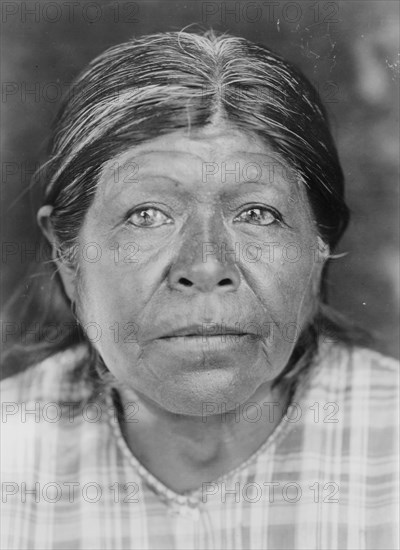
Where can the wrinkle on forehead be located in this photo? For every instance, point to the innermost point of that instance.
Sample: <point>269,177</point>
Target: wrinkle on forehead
<point>181,159</point>
<point>205,146</point>
<point>205,143</point>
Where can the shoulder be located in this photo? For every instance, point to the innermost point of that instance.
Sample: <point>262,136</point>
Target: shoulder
<point>42,416</point>
<point>364,385</point>
<point>37,404</point>
<point>357,370</point>
<point>375,363</point>
<point>49,380</point>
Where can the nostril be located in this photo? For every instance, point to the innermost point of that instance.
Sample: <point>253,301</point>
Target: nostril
<point>185,282</point>
<point>225,282</point>
<point>203,278</point>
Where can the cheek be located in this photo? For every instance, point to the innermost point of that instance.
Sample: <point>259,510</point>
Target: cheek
<point>286,280</point>
<point>115,294</point>
<point>299,284</point>
<point>106,317</point>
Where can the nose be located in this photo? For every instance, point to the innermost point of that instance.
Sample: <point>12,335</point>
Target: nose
<point>205,276</point>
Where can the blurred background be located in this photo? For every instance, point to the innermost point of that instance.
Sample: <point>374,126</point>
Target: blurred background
<point>348,49</point>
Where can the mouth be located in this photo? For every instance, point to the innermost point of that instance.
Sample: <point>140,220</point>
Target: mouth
<point>203,332</point>
<point>211,339</point>
<point>219,343</point>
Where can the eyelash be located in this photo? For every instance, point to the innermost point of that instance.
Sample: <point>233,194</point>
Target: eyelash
<point>141,209</point>
<point>277,215</point>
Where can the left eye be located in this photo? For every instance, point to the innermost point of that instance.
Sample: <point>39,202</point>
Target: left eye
<point>148,217</point>
<point>258,216</point>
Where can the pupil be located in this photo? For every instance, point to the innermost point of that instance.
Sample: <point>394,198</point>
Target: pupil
<point>145,215</point>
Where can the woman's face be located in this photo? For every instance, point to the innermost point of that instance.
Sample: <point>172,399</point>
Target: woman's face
<point>198,267</point>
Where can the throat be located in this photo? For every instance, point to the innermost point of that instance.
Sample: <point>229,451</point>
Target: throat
<point>184,452</point>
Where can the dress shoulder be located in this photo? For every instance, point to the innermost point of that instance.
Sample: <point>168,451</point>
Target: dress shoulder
<point>49,380</point>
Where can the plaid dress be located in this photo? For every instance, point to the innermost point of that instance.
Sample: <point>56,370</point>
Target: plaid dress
<point>326,478</point>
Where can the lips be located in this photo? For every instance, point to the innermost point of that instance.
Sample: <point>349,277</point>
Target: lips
<point>205,330</point>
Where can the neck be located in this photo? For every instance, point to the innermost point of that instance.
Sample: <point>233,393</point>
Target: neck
<point>185,451</point>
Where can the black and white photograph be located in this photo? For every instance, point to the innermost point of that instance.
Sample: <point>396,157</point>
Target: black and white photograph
<point>200,275</point>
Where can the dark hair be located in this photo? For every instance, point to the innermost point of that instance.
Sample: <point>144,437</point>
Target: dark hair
<point>155,84</point>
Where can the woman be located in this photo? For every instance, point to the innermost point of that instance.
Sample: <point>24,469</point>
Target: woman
<point>206,396</point>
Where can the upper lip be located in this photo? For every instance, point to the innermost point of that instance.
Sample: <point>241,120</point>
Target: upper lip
<point>205,330</point>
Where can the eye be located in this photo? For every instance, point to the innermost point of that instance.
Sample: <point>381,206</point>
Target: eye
<point>148,217</point>
<point>259,215</point>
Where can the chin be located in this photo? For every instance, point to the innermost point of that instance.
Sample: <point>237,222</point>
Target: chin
<point>208,393</point>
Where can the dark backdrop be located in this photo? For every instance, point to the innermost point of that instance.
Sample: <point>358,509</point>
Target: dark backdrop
<point>348,50</point>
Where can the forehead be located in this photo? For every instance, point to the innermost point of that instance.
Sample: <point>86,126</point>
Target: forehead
<point>209,143</point>
<point>216,154</point>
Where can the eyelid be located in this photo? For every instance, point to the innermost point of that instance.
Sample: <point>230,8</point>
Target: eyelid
<point>276,213</point>
<point>146,207</point>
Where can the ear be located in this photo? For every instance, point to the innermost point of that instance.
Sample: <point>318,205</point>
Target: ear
<point>323,250</point>
<point>66,271</point>
<point>321,254</point>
